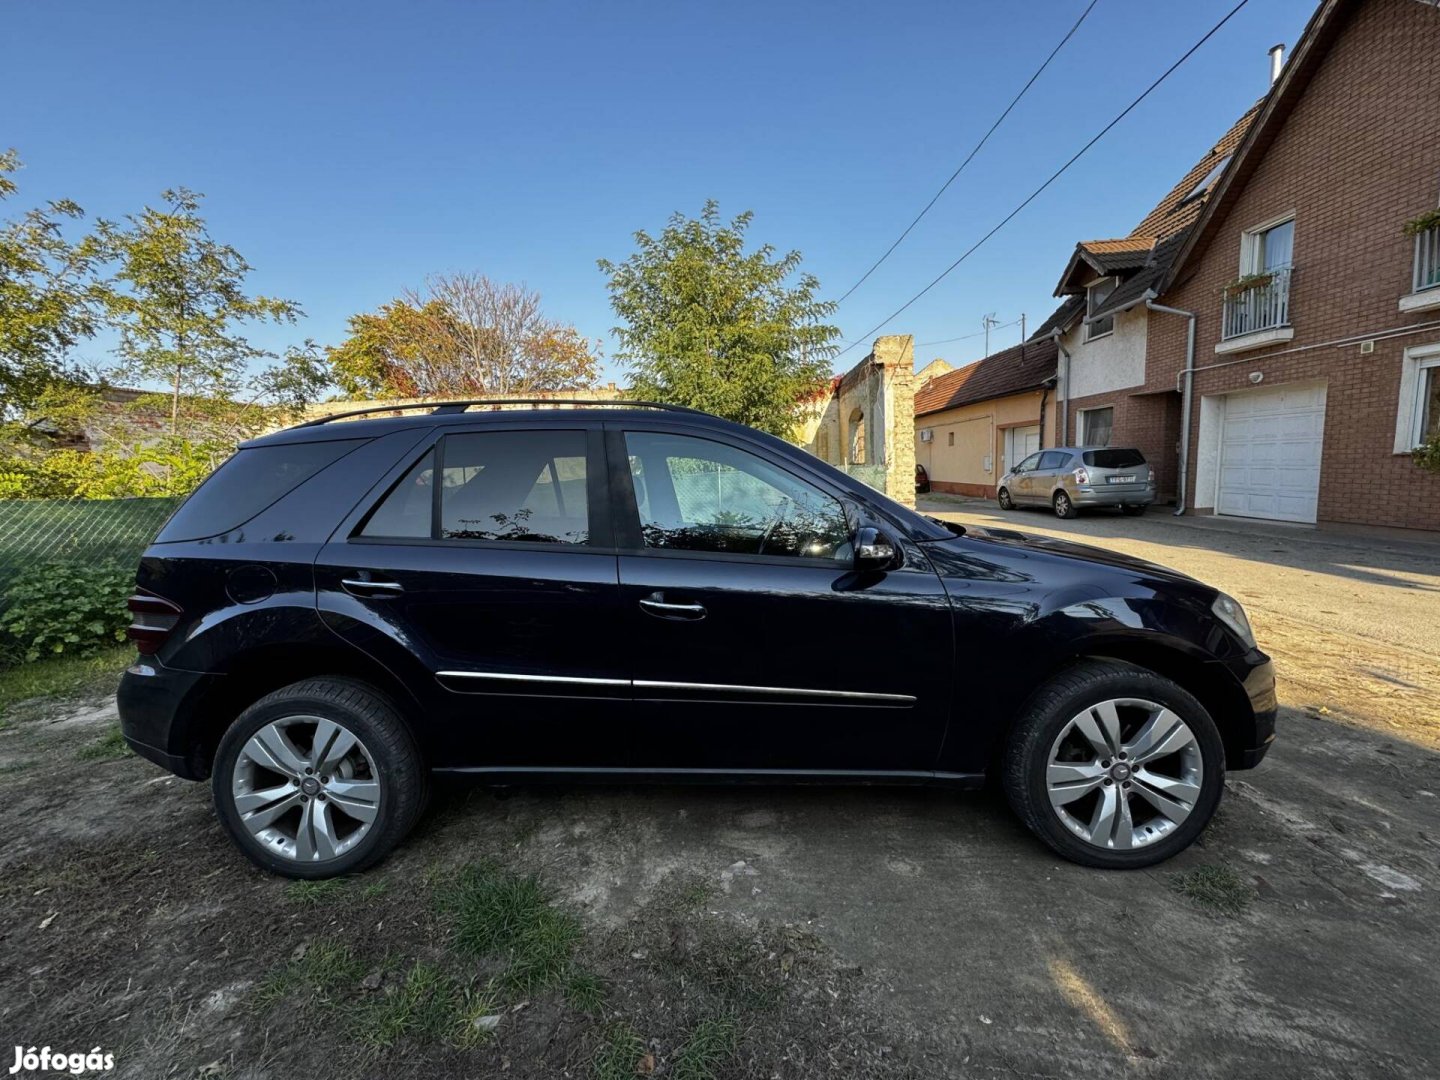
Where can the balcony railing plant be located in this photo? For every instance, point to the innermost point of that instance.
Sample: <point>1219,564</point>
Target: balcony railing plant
<point>1257,302</point>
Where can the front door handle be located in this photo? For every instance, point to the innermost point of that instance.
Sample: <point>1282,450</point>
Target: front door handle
<point>655,604</point>
<point>361,587</point>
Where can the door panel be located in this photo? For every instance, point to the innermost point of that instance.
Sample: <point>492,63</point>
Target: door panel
<point>748,661</point>
<point>511,617</point>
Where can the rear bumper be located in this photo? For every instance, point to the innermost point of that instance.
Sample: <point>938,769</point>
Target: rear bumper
<point>158,716</point>
<point>1108,497</point>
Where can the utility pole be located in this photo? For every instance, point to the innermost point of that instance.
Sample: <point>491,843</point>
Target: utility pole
<point>988,321</point>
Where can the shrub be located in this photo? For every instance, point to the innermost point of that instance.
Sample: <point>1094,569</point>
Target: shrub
<point>68,608</point>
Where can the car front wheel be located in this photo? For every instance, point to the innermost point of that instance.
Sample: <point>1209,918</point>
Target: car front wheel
<point>318,779</point>
<point>1114,766</point>
<point>1003,496</point>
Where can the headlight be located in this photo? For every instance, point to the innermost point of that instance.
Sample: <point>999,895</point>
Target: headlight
<point>1228,610</point>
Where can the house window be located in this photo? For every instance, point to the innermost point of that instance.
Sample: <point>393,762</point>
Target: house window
<point>950,439</point>
<point>1096,425</point>
<point>1268,248</point>
<point>1419,414</point>
<point>1095,295</point>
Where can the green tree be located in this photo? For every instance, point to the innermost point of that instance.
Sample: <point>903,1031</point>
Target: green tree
<point>708,325</point>
<point>50,296</point>
<point>181,305</point>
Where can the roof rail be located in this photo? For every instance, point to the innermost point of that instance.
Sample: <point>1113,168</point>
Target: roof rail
<point>438,408</point>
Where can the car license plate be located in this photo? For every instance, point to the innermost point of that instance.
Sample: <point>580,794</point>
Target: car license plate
<point>1120,479</point>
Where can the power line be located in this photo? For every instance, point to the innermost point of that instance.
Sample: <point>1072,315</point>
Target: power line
<point>986,138</point>
<point>1053,177</point>
<point>967,337</point>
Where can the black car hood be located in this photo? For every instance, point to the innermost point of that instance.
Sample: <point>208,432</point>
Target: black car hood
<point>1068,549</point>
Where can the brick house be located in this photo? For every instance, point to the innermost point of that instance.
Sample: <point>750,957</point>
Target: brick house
<point>972,423</point>
<point>1103,326</point>
<point>1315,362</point>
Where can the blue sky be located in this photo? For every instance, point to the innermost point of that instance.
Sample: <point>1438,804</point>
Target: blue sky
<point>348,149</point>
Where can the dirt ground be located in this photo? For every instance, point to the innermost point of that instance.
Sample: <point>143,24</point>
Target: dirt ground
<point>696,932</point>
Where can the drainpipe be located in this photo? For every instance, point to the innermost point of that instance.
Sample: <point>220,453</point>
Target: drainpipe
<point>1181,485</point>
<point>1062,391</point>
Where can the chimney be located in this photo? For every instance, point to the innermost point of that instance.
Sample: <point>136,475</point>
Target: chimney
<point>1277,61</point>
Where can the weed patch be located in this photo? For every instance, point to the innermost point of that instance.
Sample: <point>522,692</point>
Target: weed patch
<point>109,747</point>
<point>310,893</point>
<point>1217,889</point>
<point>706,1050</point>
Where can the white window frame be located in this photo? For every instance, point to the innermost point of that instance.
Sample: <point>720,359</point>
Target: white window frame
<point>1418,360</point>
<point>1080,439</point>
<point>1250,245</point>
<point>1090,332</point>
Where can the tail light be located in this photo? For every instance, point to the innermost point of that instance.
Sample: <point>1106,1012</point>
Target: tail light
<point>152,619</point>
<point>1082,474</point>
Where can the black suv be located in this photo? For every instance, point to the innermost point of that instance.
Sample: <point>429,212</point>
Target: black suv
<point>647,592</point>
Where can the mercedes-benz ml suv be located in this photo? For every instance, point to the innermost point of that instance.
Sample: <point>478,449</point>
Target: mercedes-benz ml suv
<point>645,592</point>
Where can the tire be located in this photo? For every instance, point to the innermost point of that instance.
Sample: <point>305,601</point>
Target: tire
<point>1064,507</point>
<point>1132,838</point>
<point>265,762</point>
<point>1003,497</point>
<point>1133,511</point>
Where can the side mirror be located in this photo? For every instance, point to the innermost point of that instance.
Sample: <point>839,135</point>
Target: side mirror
<point>873,550</point>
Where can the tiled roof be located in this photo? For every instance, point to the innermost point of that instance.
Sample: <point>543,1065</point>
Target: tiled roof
<point>1022,367</point>
<point>1168,221</point>
<point>1070,309</point>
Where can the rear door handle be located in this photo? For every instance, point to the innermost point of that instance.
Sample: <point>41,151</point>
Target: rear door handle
<point>655,604</point>
<point>361,587</point>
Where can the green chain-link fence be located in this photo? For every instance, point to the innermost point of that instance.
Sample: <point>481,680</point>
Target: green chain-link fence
<point>35,533</point>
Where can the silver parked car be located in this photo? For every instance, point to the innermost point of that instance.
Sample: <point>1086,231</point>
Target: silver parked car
<point>1068,478</point>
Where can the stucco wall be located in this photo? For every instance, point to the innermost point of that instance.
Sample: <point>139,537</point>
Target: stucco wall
<point>1113,362</point>
<point>976,460</point>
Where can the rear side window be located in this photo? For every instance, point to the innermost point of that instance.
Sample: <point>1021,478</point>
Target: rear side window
<point>254,478</point>
<point>524,487</point>
<point>1114,459</point>
<point>1053,459</point>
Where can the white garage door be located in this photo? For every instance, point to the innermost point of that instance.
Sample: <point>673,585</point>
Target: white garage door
<point>1270,453</point>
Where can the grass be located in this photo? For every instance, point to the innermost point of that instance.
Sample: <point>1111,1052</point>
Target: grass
<point>310,893</point>
<point>109,747</point>
<point>500,914</point>
<point>322,969</point>
<point>619,1055</point>
<point>1218,889</point>
<point>63,676</point>
<point>585,992</point>
<point>710,1044</point>
<point>427,1004</point>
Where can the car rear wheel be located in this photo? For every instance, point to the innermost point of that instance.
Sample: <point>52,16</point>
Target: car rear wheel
<point>1003,496</point>
<point>1064,508</point>
<point>318,779</point>
<point>1114,766</point>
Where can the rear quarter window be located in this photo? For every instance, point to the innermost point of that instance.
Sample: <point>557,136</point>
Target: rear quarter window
<point>252,479</point>
<point>1114,458</point>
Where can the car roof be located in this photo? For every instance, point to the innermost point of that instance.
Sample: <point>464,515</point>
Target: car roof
<point>349,426</point>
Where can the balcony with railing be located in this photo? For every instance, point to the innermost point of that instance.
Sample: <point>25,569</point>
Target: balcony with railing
<point>1257,305</point>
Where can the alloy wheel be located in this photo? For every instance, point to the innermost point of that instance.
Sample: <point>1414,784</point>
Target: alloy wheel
<point>306,788</point>
<point>1124,773</point>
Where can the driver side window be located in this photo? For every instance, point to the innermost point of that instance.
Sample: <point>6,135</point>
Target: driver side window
<point>697,495</point>
<point>1030,464</point>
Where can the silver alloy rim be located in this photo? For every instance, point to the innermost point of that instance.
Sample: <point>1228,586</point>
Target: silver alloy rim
<point>1124,773</point>
<point>306,788</point>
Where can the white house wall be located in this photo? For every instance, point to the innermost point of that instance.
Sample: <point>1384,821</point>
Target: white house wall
<point>1113,362</point>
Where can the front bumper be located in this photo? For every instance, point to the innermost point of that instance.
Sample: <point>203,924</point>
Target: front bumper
<point>1259,684</point>
<point>1081,496</point>
<point>159,716</point>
